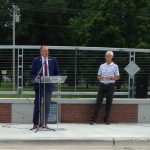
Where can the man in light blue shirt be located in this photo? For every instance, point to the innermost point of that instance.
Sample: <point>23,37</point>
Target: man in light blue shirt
<point>108,73</point>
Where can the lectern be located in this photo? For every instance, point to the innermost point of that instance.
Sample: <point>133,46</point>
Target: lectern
<point>42,81</point>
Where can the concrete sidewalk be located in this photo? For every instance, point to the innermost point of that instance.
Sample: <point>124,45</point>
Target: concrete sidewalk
<point>111,134</point>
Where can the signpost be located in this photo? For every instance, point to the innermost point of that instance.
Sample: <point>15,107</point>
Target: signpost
<point>132,68</point>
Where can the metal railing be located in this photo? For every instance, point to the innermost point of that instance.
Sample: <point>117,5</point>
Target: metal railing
<point>80,64</point>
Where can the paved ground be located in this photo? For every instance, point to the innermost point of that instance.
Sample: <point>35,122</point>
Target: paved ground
<point>72,147</point>
<point>76,137</point>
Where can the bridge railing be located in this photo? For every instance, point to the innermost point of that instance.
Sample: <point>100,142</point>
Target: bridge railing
<point>80,64</point>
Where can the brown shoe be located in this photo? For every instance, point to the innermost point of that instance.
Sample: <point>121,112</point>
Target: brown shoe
<point>35,126</point>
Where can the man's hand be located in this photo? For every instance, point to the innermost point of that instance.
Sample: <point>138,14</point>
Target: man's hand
<point>98,77</point>
<point>108,78</point>
<point>115,78</point>
<point>37,80</point>
<point>103,78</point>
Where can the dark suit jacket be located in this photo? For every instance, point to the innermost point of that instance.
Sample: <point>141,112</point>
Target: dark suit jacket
<point>53,70</point>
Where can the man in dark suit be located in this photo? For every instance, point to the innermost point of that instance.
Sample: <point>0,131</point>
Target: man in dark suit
<point>43,66</point>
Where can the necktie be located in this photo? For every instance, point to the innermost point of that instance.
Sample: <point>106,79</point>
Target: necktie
<point>46,71</point>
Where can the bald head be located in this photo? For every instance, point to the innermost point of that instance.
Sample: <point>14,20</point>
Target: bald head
<point>44,51</point>
<point>109,56</point>
<point>110,53</point>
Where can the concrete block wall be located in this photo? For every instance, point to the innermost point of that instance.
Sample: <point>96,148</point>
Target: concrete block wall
<point>77,110</point>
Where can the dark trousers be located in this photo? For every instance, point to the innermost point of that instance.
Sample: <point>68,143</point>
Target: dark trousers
<point>104,90</point>
<point>38,102</point>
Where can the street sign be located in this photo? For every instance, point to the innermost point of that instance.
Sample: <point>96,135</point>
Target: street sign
<point>132,68</point>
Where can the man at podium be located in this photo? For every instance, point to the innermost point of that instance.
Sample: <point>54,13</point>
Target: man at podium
<point>43,65</point>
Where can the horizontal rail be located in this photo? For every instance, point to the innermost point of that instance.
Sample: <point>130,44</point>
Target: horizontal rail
<point>76,93</point>
<point>62,93</point>
<point>76,100</point>
<point>76,48</point>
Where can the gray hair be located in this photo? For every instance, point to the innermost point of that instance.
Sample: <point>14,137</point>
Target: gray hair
<point>110,53</point>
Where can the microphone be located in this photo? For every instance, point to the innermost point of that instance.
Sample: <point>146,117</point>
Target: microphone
<point>38,75</point>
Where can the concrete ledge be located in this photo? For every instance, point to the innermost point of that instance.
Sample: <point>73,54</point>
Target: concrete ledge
<point>77,134</point>
<point>91,142</point>
<point>77,100</point>
<point>59,142</point>
<point>79,109</point>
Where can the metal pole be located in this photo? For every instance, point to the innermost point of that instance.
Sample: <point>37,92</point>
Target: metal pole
<point>22,75</point>
<point>14,15</point>
<point>76,70</point>
<point>131,78</point>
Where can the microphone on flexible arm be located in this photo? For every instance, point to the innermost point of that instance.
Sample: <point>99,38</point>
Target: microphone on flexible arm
<point>38,75</point>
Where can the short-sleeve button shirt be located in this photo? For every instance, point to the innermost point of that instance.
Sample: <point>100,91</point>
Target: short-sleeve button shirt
<point>108,70</point>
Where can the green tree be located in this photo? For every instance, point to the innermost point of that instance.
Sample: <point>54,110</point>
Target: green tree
<point>112,23</point>
<point>42,22</point>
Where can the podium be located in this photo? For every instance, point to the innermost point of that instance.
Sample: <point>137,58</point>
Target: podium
<point>43,80</point>
<point>53,79</point>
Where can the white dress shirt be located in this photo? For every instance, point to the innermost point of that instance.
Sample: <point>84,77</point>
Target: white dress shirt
<point>108,70</point>
<point>43,63</point>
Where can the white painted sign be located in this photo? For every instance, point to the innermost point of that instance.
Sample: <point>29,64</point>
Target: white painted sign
<point>132,68</point>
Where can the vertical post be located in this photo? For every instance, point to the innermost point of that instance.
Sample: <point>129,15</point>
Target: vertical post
<point>20,72</point>
<point>58,105</point>
<point>75,81</point>
<point>13,23</point>
<point>131,78</point>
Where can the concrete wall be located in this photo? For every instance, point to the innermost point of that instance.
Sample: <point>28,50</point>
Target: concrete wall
<point>22,113</point>
<point>144,113</point>
<point>77,110</point>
